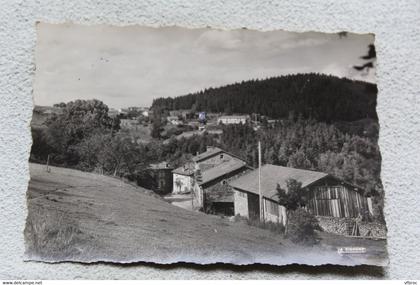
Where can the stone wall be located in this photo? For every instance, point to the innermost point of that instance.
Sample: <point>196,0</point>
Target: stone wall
<point>339,226</point>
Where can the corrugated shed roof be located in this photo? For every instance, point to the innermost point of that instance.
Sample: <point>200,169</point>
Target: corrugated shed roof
<point>271,175</point>
<point>184,170</point>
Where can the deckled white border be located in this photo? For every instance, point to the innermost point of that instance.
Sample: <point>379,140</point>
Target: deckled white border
<point>395,24</point>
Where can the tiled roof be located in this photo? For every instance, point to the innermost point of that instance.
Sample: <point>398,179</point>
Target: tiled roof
<point>160,165</point>
<point>271,175</point>
<point>210,172</point>
<point>234,117</point>
<point>185,170</point>
<point>211,151</point>
<point>222,169</point>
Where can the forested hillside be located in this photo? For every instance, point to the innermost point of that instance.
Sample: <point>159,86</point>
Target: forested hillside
<point>322,97</point>
<point>298,143</point>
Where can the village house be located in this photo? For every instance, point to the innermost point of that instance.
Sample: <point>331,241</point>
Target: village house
<point>145,112</point>
<point>174,120</point>
<point>206,177</point>
<point>234,119</point>
<point>135,109</point>
<point>112,112</point>
<point>161,174</point>
<point>129,124</point>
<point>327,195</point>
<point>123,111</point>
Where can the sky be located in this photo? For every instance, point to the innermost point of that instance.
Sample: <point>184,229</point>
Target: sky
<point>131,66</point>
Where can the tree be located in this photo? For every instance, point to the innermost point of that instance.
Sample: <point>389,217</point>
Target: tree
<point>291,198</point>
<point>79,120</point>
<point>322,97</point>
<point>156,127</point>
<point>60,105</point>
<point>89,148</point>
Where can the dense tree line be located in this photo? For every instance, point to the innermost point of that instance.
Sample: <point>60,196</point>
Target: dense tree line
<point>322,97</point>
<point>312,145</point>
<point>299,143</point>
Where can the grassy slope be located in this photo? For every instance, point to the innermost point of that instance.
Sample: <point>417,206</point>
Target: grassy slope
<point>87,217</point>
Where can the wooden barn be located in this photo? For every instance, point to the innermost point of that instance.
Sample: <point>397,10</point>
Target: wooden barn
<point>327,195</point>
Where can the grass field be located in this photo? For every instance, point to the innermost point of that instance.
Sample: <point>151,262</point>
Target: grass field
<point>78,216</point>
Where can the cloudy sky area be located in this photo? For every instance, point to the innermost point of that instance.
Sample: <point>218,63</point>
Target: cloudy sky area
<point>130,66</point>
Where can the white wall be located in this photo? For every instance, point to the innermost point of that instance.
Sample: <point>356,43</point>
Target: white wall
<point>395,24</point>
<point>228,121</point>
<point>240,203</point>
<point>186,182</point>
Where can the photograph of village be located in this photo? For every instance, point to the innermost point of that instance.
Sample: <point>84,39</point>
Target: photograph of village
<point>204,146</point>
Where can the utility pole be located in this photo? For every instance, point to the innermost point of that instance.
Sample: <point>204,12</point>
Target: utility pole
<point>48,169</point>
<point>198,178</point>
<point>259,184</point>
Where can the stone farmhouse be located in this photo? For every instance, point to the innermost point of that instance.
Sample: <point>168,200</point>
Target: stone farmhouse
<point>207,176</point>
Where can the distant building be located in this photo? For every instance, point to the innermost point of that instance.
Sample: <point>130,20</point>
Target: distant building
<point>129,124</point>
<point>145,112</point>
<point>234,119</point>
<point>112,112</point>
<point>161,174</point>
<point>215,132</point>
<point>327,195</point>
<point>207,176</point>
<point>123,111</point>
<point>272,121</point>
<point>174,120</point>
<point>136,109</point>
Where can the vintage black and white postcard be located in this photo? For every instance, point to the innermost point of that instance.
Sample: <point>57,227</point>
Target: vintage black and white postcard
<point>201,145</point>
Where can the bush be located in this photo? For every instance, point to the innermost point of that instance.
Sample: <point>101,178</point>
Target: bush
<point>302,226</point>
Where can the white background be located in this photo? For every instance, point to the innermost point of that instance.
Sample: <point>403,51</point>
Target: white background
<point>397,28</point>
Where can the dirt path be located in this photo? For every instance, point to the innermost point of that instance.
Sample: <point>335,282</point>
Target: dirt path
<point>87,217</point>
